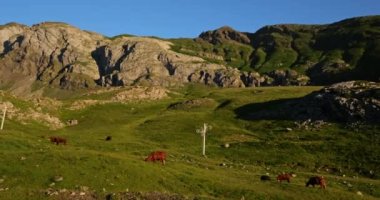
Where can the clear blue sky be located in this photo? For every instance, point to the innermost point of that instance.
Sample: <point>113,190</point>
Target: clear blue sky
<point>181,18</point>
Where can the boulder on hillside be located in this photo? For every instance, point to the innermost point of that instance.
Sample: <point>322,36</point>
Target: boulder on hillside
<point>344,102</point>
<point>287,77</point>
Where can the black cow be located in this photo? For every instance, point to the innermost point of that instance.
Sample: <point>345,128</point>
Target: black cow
<point>317,180</point>
<point>265,178</point>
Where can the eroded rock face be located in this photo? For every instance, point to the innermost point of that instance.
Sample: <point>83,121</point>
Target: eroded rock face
<point>53,53</point>
<point>63,56</point>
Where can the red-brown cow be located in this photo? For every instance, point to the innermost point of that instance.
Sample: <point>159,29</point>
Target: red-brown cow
<point>284,177</point>
<point>58,140</point>
<point>157,156</point>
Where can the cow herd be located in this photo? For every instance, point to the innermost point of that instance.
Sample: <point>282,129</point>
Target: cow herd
<point>153,157</point>
<point>313,181</point>
<point>161,156</point>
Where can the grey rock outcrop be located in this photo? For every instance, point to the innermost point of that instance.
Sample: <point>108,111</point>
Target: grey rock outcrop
<point>54,53</point>
<point>59,55</point>
<point>287,77</point>
<point>345,102</point>
<point>351,101</point>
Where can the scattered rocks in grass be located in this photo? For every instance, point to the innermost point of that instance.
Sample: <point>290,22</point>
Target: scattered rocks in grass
<point>72,122</point>
<point>84,188</point>
<point>359,193</point>
<point>63,190</point>
<point>141,93</point>
<point>67,194</point>
<point>226,145</point>
<point>193,104</point>
<point>57,178</point>
<point>22,158</point>
<point>148,196</point>
<point>52,184</point>
<point>80,104</point>
<point>1,180</point>
<point>3,189</point>
<point>310,125</point>
<point>51,192</point>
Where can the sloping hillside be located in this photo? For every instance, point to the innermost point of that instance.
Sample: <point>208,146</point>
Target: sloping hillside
<point>239,151</point>
<point>345,50</point>
<point>58,55</point>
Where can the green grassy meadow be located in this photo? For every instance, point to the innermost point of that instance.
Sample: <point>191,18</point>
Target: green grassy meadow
<point>29,162</point>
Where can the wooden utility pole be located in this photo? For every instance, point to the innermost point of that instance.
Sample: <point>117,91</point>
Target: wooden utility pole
<point>203,132</point>
<point>2,121</point>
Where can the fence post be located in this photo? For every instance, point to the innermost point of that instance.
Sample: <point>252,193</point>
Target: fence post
<point>3,119</point>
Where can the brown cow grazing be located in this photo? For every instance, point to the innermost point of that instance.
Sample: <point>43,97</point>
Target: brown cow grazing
<point>317,180</point>
<point>157,155</point>
<point>284,177</point>
<point>58,140</point>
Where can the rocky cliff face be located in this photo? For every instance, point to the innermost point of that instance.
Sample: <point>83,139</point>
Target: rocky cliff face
<point>53,53</point>
<point>60,55</point>
<point>63,56</point>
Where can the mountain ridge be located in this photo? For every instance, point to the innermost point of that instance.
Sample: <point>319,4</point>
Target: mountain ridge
<point>60,55</point>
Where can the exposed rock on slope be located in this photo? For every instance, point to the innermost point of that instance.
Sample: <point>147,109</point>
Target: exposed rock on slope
<point>349,101</point>
<point>223,34</point>
<point>141,94</point>
<point>193,104</point>
<point>130,61</point>
<point>54,53</point>
<point>63,56</point>
<point>346,102</point>
<point>31,114</point>
<point>59,55</point>
<point>136,93</point>
<point>331,53</point>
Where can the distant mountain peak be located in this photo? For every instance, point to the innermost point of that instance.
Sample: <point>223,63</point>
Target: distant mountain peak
<point>225,33</point>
